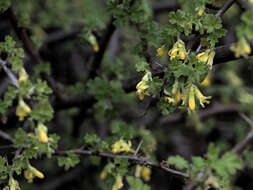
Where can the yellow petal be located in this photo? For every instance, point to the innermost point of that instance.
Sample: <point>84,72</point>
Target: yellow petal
<point>191,99</point>
<point>146,173</point>
<point>118,183</point>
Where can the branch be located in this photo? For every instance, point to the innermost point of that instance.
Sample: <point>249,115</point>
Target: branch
<point>237,149</point>
<point>98,56</point>
<point>133,158</point>
<point>31,50</point>
<point>7,137</point>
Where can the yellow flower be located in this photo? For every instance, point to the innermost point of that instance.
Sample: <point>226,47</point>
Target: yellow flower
<point>93,41</point>
<point>33,171</point>
<point>169,99</point>
<point>206,81</point>
<point>202,99</point>
<point>142,86</point>
<point>118,183</point>
<point>122,146</point>
<point>207,57</point>
<point>176,91</point>
<point>191,98</point>
<point>13,184</point>
<point>200,10</point>
<point>162,51</point>
<point>41,133</point>
<point>212,182</point>
<point>144,172</point>
<point>23,76</point>
<point>178,50</point>
<point>22,110</point>
<point>29,176</point>
<point>241,48</point>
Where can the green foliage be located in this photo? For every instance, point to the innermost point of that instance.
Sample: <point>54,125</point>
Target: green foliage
<point>136,184</point>
<point>178,162</point>
<point>69,161</point>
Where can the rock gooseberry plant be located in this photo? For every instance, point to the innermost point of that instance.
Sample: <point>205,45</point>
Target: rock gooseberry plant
<point>76,114</point>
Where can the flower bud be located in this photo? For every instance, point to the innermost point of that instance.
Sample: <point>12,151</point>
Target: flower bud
<point>23,76</point>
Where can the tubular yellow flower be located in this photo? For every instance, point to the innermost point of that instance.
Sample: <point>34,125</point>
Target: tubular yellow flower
<point>202,99</point>
<point>13,184</point>
<point>146,173</point>
<point>41,133</point>
<point>93,41</point>
<point>118,183</point>
<point>169,99</point>
<point>162,51</point>
<point>191,99</point>
<point>241,48</point>
<point>122,146</point>
<point>206,57</point>
<point>142,86</point>
<point>206,81</point>
<point>178,50</point>
<point>23,76</point>
<point>29,176</point>
<point>138,170</point>
<point>36,172</point>
<point>176,91</point>
<point>22,110</point>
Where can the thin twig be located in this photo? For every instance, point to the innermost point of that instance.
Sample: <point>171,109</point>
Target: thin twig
<point>31,50</point>
<point>132,158</point>
<point>237,149</point>
<point>9,73</point>
<point>6,136</point>
<point>138,148</point>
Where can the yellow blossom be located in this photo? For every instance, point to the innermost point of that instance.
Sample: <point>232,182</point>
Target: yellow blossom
<point>200,10</point>
<point>206,81</point>
<point>142,86</point>
<point>29,176</point>
<point>41,133</point>
<point>176,91</point>
<point>93,41</point>
<point>144,172</point>
<point>202,99</point>
<point>178,50</point>
<point>23,76</point>
<point>191,98</point>
<point>13,184</point>
<point>169,99</point>
<point>212,182</point>
<point>22,110</point>
<point>35,172</point>
<point>118,183</point>
<point>122,146</point>
<point>162,51</point>
<point>207,57</point>
<point>241,48</point>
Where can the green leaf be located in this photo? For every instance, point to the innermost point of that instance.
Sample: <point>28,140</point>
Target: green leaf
<point>91,139</point>
<point>178,162</point>
<point>70,160</point>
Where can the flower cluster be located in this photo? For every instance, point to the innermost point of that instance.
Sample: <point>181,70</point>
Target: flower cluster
<point>189,98</point>
<point>178,50</point>
<point>207,57</point>
<point>122,146</point>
